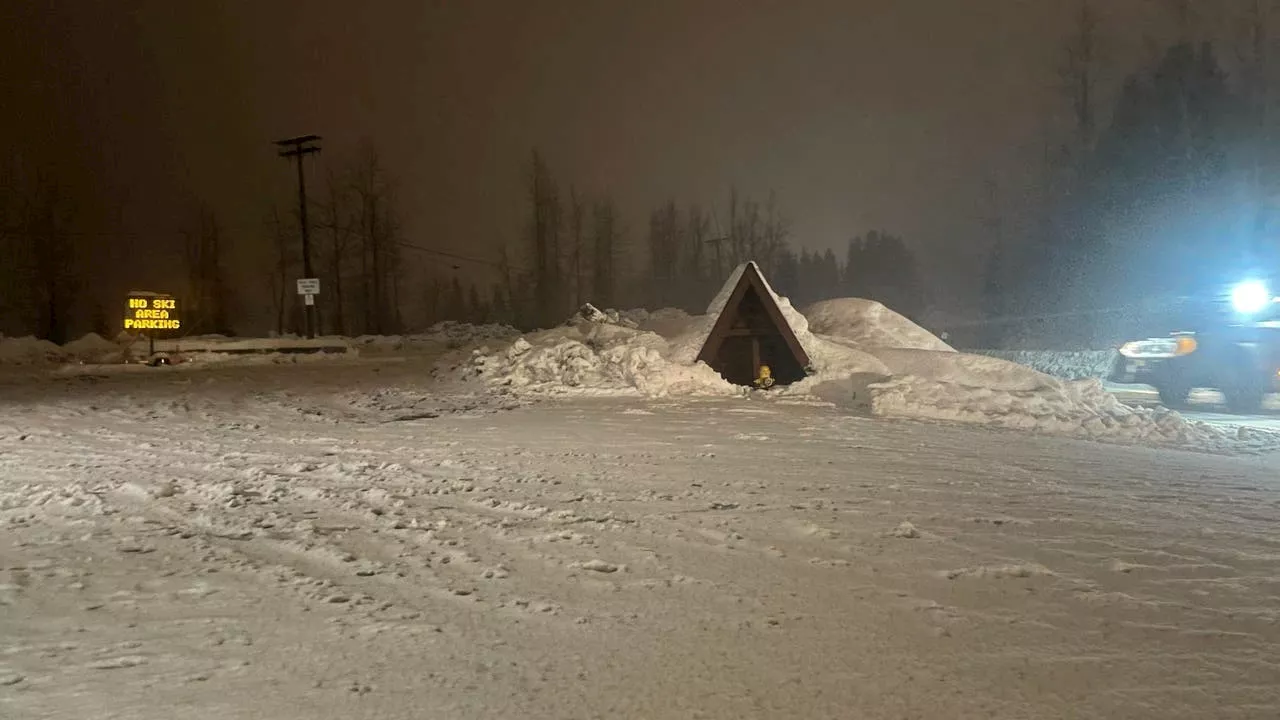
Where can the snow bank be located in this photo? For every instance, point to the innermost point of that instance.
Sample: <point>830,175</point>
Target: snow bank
<point>1069,365</point>
<point>599,357</point>
<point>1074,408</point>
<point>965,369</point>
<point>95,349</point>
<point>981,390</point>
<point>29,351</point>
<point>874,361</point>
<point>868,323</point>
<point>667,322</point>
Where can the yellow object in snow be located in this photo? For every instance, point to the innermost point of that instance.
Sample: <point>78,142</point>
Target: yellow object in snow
<point>766,377</point>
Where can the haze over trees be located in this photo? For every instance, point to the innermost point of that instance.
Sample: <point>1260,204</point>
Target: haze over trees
<point>684,257</point>
<point>1159,183</point>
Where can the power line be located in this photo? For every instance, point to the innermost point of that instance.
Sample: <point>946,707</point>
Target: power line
<point>457,256</point>
<point>132,234</point>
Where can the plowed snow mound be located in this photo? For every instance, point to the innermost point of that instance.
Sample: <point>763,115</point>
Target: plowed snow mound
<point>95,349</point>
<point>964,369</point>
<point>608,353</point>
<point>870,324</point>
<point>29,351</point>
<point>593,358</point>
<point>1071,365</point>
<point>667,322</point>
<point>974,389</point>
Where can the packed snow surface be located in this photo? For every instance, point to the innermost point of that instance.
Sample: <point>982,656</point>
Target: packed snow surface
<point>349,539</point>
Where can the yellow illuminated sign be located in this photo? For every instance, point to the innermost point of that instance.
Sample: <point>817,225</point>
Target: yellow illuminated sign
<point>152,312</point>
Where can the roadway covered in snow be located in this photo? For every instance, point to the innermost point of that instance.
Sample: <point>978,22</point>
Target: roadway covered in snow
<point>1205,406</point>
<point>348,537</point>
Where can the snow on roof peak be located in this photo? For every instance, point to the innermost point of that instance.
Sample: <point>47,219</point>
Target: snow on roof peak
<point>687,348</point>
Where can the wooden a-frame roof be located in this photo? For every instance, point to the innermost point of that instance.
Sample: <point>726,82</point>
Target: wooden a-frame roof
<point>751,279</point>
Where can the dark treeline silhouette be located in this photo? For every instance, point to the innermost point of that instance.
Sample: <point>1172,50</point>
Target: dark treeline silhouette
<point>687,255</point>
<point>570,253</point>
<point>39,282</point>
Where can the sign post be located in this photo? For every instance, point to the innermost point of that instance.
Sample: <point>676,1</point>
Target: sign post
<point>309,288</point>
<point>152,313</point>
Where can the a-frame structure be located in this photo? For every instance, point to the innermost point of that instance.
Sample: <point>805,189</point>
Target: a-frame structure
<point>751,331</point>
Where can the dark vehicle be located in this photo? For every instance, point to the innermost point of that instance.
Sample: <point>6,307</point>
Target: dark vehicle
<point>1240,356</point>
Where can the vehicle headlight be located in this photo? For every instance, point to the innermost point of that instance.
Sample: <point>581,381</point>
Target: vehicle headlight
<point>1251,296</point>
<point>1131,349</point>
<point>1160,347</point>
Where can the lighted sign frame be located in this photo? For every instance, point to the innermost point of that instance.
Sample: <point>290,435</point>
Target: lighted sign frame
<point>152,313</point>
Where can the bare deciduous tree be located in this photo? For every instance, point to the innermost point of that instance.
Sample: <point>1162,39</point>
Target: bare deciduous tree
<point>576,216</point>
<point>282,267</point>
<point>338,226</point>
<point>544,234</point>
<point>207,288</point>
<point>605,243</point>
<point>1079,76</point>
<point>377,235</point>
<point>664,253</point>
<point>46,258</point>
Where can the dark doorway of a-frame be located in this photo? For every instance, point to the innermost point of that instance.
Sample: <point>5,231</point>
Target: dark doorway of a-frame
<point>752,332</point>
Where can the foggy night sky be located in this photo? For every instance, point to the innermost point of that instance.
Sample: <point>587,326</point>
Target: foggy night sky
<point>861,114</point>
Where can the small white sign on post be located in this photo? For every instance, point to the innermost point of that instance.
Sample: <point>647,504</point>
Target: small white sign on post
<point>308,286</point>
<point>309,299</point>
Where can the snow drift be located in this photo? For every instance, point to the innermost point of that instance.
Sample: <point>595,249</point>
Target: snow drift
<point>593,357</point>
<point>868,323</point>
<point>29,351</point>
<point>1069,365</point>
<point>91,348</point>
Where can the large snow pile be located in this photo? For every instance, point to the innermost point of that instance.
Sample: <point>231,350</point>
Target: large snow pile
<point>667,322</point>
<point>29,351</point>
<point>1070,365</point>
<point>868,323</point>
<point>95,349</point>
<point>875,361</point>
<point>595,356</point>
<point>983,390</point>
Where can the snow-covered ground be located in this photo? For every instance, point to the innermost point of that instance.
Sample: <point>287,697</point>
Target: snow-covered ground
<point>348,538</point>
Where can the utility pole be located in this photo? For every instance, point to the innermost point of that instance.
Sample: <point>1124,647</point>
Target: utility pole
<point>298,148</point>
